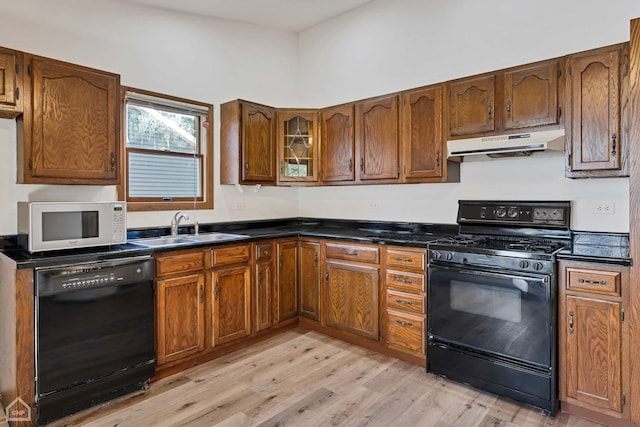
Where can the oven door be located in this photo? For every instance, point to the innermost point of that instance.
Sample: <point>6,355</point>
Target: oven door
<point>497,313</point>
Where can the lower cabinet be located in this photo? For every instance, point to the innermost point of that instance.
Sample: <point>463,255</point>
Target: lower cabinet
<point>593,337</point>
<point>309,279</point>
<point>263,286</point>
<point>352,286</point>
<point>231,303</point>
<point>180,305</point>
<point>286,280</point>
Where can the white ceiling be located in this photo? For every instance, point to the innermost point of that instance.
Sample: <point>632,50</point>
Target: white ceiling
<point>288,15</point>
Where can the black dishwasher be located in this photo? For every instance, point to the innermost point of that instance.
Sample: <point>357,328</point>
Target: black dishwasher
<point>94,333</point>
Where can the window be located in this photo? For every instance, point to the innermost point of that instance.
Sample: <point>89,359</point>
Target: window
<point>169,152</point>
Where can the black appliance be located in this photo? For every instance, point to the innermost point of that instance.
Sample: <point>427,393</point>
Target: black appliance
<point>94,334</point>
<point>492,297</point>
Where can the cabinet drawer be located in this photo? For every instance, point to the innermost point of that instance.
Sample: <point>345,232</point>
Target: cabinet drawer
<point>405,332</point>
<point>369,254</point>
<point>593,281</point>
<point>263,251</point>
<point>405,302</point>
<point>405,281</point>
<point>179,262</point>
<point>230,255</point>
<point>406,259</point>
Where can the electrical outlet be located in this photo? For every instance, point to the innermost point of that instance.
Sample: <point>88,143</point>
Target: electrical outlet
<point>239,206</point>
<point>373,204</point>
<point>604,208</point>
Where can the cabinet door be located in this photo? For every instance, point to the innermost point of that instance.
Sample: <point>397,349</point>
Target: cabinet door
<point>180,324</point>
<point>337,128</point>
<point>297,146</point>
<point>10,83</point>
<point>231,304</point>
<point>422,142</point>
<point>593,340</point>
<point>531,96</point>
<point>258,136</point>
<point>378,138</point>
<point>310,279</point>
<point>264,283</point>
<point>287,280</point>
<point>352,298</point>
<point>595,140</point>
<point>71,125</point>
<point>472,106</point>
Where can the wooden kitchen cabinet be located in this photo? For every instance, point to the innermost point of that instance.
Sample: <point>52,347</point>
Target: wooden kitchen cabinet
<point>309,279</point>
<point>352,278</point>
<point>247,150</point>
<point>520,98</point>
<point>286,280</point>
<point>338,144</point>
<point>377,135</point>
<point>11,83</point>
<point>298,146</point>
<point>422,144</point>
<point>597,98</point>
<point>70,130</point>
<point>593,337</point>
<point>230,279</point>
<point>180,305</point>
<point>405,300</point>
<point>263,284</point>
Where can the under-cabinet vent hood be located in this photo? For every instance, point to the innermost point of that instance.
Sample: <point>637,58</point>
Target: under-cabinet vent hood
<point>520,144</point>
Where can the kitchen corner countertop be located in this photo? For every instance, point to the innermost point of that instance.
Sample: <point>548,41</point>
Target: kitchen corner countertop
<point>375,232</point>
<point>610,248</point>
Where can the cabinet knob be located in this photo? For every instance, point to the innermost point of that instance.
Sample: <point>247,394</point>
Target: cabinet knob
<point>571,322</point>
<point>489,111</point>
<point>508,108</point>
<point>614,140</point>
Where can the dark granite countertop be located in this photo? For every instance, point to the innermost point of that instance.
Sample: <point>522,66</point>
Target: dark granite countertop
<point>378,232</point>
<point>610,248</point>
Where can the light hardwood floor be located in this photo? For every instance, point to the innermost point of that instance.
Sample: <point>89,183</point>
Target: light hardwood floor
<point>303,378</point>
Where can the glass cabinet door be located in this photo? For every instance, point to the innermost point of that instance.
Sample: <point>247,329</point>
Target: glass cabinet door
<point>298,145</point>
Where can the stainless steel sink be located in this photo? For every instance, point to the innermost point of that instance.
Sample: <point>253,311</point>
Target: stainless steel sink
<point>164,241</point>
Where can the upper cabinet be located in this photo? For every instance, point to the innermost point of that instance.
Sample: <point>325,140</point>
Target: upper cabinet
<point>11,83</point>
<point>338,144</point>
<point>377,138</point>
<point>597,95</point>
<point>247,152</point>
<point>422,144</point>
<point>297,146</point>
<point>69,132</point>
<point>505,101</point>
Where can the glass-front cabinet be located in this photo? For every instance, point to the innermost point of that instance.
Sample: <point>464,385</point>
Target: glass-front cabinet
<point>298,146</point>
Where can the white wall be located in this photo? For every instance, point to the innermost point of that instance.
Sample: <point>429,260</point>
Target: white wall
<point>391,45</point>
<point>203,59</point>
<point>385,46</point>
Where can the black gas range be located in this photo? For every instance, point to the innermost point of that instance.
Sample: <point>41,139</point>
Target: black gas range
<point>492,290</point>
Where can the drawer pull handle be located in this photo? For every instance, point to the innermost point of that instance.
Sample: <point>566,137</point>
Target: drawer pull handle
<point>400,301</point>
<point>404,259</point>
<point>594,282</point>
<point>405,281</point>
<point>403,323</point>
<point>571,322</point>
<point>350,251</point>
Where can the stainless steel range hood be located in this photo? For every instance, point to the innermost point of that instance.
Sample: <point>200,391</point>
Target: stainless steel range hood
<point>520,144</point>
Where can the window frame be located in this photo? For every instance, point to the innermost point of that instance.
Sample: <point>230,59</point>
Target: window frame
<point>206,154</point>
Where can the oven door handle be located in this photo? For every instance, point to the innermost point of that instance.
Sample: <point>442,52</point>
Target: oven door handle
<point>540,279</point>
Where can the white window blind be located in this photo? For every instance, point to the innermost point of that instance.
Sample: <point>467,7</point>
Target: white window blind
<point>163,176</point>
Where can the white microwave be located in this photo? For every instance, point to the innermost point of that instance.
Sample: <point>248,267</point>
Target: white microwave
<point>48,226</point>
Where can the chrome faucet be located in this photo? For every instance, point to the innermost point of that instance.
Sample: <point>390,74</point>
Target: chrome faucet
<point>175,222</point>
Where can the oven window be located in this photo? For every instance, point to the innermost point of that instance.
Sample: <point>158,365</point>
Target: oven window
<point>69,225</point>
<point>487,301</point>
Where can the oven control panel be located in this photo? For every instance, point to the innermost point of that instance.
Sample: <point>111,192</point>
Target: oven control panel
<point>469,259</point>
<point>533,214</point>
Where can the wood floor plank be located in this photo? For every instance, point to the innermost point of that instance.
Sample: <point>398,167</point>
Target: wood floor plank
<point>303,378</point>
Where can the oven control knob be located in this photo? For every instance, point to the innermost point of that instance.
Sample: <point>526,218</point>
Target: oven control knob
<point>538,266</point>
<point>512,212</point>
<point>437,255</point>
<point>449,256</point>
<point>524,264</point>
<point>501,212</point>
